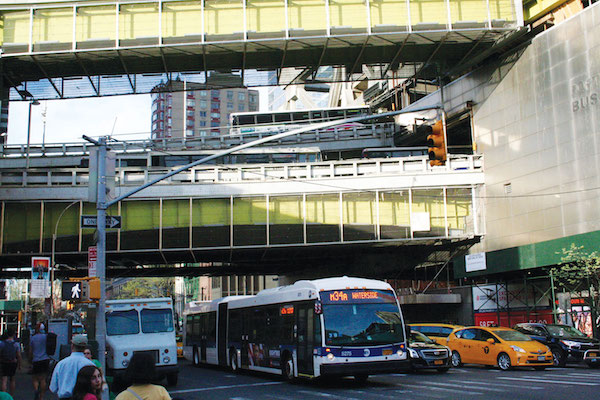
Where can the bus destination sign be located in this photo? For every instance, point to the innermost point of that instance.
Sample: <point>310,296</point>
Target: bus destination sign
<point>357,296</point>
<point>286,310</point>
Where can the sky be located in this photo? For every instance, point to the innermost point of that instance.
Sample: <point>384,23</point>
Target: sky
<point>123,117</point>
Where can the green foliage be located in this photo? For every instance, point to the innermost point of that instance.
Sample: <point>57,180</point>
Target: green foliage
<point>146,288</point>
<point>578,270</point>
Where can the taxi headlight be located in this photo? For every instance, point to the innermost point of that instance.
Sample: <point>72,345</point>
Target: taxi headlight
<point>330,356</point>
<point>413,353</point>
<point>125,363</point>
<point>517,349</point>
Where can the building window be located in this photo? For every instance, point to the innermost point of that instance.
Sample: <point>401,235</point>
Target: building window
<point>230,95</point>
<point>251,98</point>
<point>203,93</point>
<point>191,102</point>
<point>241,107</point>
<point>202,133</point>
<point>230,106</point>
<point>189,132</point>
<point>215,93</point>
<point>202,113</point>
<point>189,113</point>
<point>203,104</point>
<point>215,124</point>
<point>201,123</point>
<point>241,96</point>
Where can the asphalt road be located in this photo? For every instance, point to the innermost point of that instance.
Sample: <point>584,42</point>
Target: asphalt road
<point>470,382</point>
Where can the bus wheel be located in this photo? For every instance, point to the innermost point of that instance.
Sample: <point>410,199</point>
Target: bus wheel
<point>233,360</point>
<point>287,369</point>
<point>195,357</point>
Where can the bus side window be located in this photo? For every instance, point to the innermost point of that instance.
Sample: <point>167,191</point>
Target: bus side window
<point>287,329</point>
<point>235,326</point>
<point>272,325</point>
<point>211,331</point>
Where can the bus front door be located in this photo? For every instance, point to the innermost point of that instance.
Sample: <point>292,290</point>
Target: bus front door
<point>222,334</point>
<point>305,339</point>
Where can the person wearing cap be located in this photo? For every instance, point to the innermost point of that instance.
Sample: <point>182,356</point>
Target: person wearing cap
<point>40,361</point>
<point>65,373</point>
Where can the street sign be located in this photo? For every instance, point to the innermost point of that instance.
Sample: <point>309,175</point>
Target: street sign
<point>75,291</point>
<point>92,258</point>
<point>91,221</point>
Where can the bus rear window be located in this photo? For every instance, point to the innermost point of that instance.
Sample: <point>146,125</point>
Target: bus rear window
<point>157,320</point>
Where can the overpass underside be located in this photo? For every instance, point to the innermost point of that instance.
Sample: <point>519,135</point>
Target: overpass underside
<point>62,50</point>
<point>383,215</point>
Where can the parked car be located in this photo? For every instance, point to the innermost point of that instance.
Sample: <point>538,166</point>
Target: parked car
<point>436,331</point>
<point>566,343</point>
<point>503,347</point>
<point>425,353</point>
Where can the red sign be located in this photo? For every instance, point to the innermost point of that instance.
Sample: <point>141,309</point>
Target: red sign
<point>514,317</point>
<point>92,258</point>
<point>286,310</point>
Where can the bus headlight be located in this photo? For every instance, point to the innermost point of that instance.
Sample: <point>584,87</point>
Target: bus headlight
<point>125,363</point>
<point>330,356</point>
<point>166,360</point>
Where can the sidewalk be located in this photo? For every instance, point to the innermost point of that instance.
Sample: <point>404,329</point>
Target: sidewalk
<point>24,385</point>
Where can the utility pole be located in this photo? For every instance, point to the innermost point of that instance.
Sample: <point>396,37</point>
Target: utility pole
<point>101,249</point>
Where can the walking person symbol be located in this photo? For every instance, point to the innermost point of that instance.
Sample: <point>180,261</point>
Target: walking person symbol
<point>75,290</point>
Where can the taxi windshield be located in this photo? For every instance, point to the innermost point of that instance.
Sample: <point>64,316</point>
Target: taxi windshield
<point>362,324</point>
<point>564,331</point>
<point>512,336</point>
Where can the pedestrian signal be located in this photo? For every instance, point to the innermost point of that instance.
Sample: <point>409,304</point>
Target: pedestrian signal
<point>437,145</point>
<point>75,291</point>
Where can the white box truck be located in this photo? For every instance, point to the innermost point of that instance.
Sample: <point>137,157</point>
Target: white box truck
<point>141,325</point>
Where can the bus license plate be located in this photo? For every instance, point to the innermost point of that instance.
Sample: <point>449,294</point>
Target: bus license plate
<point>438,362</point>
<point>387,352</point>
<point>541,358</point>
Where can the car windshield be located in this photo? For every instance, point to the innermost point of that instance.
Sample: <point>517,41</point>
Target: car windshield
<point>564,331</point>
<point>512,336</point>
<point>362,324</point>
<point>157,320</point>
<point>122,323</point>
<point>418,337</point>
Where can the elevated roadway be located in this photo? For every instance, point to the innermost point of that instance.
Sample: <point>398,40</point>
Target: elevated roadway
<point>64,49</point>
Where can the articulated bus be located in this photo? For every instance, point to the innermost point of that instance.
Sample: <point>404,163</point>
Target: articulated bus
<point>326,327</point>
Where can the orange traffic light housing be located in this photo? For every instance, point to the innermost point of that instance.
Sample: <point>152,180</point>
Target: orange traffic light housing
<point>436,142</point>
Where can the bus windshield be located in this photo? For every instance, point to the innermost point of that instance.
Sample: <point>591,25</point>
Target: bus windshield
<point>157,320</point>
<point>122,323</point>
<point>362,324</point>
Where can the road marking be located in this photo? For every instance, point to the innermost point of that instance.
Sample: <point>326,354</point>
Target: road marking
<point>424,387</point>
<point>323,394</point>
<point>584,375</point>
<point>533,379</point>
<point>394,396</point>
<point>205,389</point>
<point>465,386</point>
<point>503,385</point>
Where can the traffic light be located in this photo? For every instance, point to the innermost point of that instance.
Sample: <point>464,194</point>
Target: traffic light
<point>74,291</point>
<point>437,144</point>
<point>94,289</point>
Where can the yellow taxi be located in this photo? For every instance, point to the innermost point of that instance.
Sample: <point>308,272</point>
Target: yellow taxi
<point>179,339</point>
<point>503,347</point>
<point>435,331</point>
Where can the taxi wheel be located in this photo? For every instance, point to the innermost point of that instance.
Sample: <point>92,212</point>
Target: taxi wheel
<point>456,360</point>
<point>504,362</point>
<point>539,368</point>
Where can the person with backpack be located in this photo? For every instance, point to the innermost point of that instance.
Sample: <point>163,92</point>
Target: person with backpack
<point>10,359</point>
<point>40,360</point>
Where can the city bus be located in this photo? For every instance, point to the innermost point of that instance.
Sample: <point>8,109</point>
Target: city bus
<point>326,327</point>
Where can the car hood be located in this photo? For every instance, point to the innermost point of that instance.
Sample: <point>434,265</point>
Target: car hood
<point>421,345</point>
<point>529,346</point>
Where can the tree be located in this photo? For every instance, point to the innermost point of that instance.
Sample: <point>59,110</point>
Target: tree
<point>147,288</point>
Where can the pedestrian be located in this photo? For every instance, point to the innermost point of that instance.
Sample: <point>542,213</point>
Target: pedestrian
<point>40,361</point>
<point>140,373</point>
<point>89,384</point>
<point>10,359</point>
<point>88,354</point>
<point>65,373</point>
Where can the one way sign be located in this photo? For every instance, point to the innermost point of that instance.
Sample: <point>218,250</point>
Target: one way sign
<point>91,221</point>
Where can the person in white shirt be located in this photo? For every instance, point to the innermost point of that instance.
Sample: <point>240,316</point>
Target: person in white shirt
<point>65,372</point>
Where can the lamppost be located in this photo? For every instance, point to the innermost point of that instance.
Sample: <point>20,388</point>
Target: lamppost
<point>32,102</point>
<point>52,256</point>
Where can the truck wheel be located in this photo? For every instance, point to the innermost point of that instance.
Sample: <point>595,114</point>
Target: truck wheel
<point>172,379</point>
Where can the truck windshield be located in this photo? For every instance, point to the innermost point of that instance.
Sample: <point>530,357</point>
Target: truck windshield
<point>362,324</point>
<point>122,323</point>
<point>157,320</point>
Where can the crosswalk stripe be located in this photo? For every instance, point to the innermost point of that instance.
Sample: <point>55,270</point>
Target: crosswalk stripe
<point>504,385</point>
<point>457,385</point>
<point>205,389</point>
<point>532,379</point>
<point>427,387</point>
